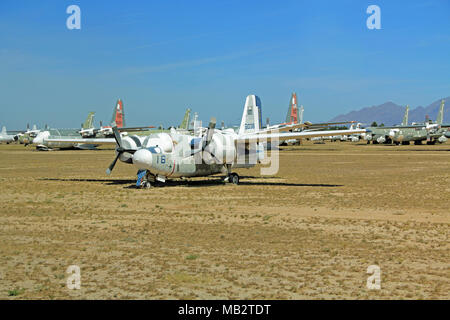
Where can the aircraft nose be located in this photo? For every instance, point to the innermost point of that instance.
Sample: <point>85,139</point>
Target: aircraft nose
<point>142,159</point>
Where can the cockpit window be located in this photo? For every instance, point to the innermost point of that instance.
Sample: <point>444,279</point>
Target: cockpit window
<point>154,149</point>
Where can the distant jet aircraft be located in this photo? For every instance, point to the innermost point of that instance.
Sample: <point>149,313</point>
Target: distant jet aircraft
<point>161,156</point>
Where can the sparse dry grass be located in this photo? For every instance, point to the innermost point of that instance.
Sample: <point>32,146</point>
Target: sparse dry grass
<point>309,232</point>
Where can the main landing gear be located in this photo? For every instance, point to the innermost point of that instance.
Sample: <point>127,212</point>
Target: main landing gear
<point>145,180</point>
<point>231,177</point>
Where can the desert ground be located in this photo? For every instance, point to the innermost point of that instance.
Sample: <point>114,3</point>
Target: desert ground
<point>308,232</point>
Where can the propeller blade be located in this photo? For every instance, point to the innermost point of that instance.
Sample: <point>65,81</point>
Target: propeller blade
<point>112,165</point>
<point>117,135</point>
<point>212,125</point>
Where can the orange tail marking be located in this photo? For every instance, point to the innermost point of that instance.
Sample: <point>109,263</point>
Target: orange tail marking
<point>119,114</point>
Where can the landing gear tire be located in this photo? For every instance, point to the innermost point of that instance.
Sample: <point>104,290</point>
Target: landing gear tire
<point>147,185</point>
<point>234,178</point>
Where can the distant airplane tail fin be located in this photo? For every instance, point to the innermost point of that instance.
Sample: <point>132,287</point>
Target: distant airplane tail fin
<point>293,114</point>
<point>300,120</point>
<point>405,117</point>
<point>185,123</point>
<point>440,116</point>
<point>3,130</point>
<point>118,115</point>
<point>89,123</point>
<point>252,116</point>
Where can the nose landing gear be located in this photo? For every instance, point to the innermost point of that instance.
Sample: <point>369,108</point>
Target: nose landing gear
<point>144,179</point>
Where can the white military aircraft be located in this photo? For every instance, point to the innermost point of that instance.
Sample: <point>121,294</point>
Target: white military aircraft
<point>161,156</point>
<point>5,137</point>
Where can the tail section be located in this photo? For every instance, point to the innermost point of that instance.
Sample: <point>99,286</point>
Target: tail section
<point>185,123</point>
<point>252,116</point>
<point>292,115</point>
<point>440,116</point>
<point>4,130</point>
<point>300,120</point>
<point>405,117</point>
<point>89,123</point>
<point>118,115</point>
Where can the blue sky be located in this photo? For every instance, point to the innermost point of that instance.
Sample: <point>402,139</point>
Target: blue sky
<point>163,56</point>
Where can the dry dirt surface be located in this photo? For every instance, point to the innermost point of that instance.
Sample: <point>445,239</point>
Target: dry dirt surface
<point>308,232</point>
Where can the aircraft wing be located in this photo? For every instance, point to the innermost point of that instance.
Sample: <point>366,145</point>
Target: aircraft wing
<point>261,137</point>
<point>135,129</point>
<point>327,124</point>
<point>98,141</point>
<point>306,125</point>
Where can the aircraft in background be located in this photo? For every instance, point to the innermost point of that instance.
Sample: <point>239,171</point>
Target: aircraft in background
<point>429,131</point>
<point>381,134</point>
<point>161,156</point>
<point>6,138</point>
<point>185,126</point>
<point>87,130</point>
<point>294,121</point>
<point>26,137</point>
<point>40,140</point>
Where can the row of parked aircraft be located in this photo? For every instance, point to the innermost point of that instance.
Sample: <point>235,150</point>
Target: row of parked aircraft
<point>189,150</point>
<point>429,131</point>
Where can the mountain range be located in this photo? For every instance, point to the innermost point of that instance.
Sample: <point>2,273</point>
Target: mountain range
<point>390,113</point>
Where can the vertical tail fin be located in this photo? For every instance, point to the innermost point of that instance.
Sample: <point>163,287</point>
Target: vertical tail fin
<point>252,116</point>
<point>185,123</point>
<point>405,117</point>
<point>440,116</point>
<point>292,115</point>
<point>300,120</point>
<point>118,115</point>
<point>89,123</point>
<point>3,130</point>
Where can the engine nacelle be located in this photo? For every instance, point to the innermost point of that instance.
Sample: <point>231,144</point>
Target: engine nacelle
<point>220,150</point>
<point>161,140</point>
<point>442,139</point>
